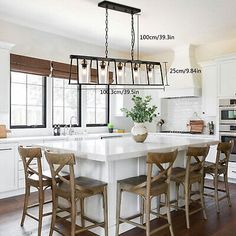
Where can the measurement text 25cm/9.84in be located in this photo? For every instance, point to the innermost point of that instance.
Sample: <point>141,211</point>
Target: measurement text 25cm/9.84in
<point>185,71</point>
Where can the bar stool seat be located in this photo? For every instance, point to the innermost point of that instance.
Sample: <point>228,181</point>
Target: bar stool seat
<point>179,176</point>
<point>84,187</point>
<point>210,167</point>
<point>128,185</point>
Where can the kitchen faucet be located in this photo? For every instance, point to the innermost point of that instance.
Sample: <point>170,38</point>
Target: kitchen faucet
<point>71,130</point>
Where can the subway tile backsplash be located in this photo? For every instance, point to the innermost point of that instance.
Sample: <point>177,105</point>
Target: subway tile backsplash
<point>179,111</point>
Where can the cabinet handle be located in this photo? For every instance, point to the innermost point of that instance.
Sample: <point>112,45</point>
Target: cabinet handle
<point>5,149</point>
<point>233,171</point>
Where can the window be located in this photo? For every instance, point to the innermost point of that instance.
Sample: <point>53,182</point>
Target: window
<point>97,106</point>
<point>66,102</point>
<point>28,100</point>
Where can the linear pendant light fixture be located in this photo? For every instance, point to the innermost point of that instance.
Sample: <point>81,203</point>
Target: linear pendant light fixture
<point>90,70</point>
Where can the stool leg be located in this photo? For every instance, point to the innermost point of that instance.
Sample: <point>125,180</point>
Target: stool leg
<point>105,207</point>
<point>54,215</point>
<point>41,202</point>
<point>216,193</point>
<point>73,217</point>
<point>177,196</point>
<point>186,187</point>
<point>118,207</point>
<point>82,212</point>
<point>147,209</point>
<point>26,201</point>
<point>201,189</point>
<point>168,213</point>
<point>227,189</point>
<point>141,210</point>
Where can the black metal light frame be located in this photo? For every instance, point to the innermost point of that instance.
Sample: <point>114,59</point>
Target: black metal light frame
<point>74,59</point>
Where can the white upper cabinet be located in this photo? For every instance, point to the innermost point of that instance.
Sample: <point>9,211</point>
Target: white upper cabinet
<point>227,78</point>
<point>209,89</point>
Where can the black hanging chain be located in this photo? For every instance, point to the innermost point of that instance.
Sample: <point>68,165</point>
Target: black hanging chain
<point>132,36</point>
<point>106,34</point>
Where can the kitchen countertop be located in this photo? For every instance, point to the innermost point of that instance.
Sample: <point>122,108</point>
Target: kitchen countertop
<point>125,147</point>
<point>67,137</point>
<point>93,136</point>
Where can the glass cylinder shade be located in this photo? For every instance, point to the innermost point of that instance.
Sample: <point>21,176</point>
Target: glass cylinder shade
<point>154,74</point>
<point>103,72</point>
<point>84,71</point>
<point>120,72</point>
<point>136,75</point>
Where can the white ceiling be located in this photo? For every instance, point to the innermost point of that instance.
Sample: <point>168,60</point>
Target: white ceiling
<point>190,21</point>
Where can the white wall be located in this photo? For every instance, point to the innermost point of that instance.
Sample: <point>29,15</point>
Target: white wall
<point>34,43</point>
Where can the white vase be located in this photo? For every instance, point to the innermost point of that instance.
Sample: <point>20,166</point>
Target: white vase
<point>139,132</point>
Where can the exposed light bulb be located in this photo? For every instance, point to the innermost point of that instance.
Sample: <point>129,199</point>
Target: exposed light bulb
<point>150,72</point>
<point>84,76</point>
<point>136,73</point>
<point>103,75</point>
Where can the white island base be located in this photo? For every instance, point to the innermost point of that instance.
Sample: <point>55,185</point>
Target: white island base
<point>114,159</point>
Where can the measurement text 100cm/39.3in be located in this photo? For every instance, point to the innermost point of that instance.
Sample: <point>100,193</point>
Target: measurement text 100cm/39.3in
<point>120,91</point>
<point>157,37</point>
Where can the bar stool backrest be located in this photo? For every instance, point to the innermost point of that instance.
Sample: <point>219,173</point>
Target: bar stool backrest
<point>195,160</point>
<point>159,159</point>
<point>57,161</point>
<point>224,148</point>
<point>28,155</point>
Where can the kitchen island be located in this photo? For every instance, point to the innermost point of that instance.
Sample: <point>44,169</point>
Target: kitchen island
<point>118,158</point>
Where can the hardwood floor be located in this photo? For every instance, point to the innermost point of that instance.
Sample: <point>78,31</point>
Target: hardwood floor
<point>223,224</point>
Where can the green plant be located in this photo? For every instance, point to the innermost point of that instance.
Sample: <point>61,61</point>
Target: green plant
<point>141,111</point>
<point>110,126</point>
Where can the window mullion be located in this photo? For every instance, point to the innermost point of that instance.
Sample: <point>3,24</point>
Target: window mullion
<point>26,102</point>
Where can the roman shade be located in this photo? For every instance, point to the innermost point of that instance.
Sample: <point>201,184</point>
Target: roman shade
<point>62,70</point>
<point>30,65</point>
<point>48,68</point>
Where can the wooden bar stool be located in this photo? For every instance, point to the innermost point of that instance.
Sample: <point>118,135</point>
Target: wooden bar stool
<point>34,178</point>
<point>193,173</point>
<point>148,187</point>
<point>72,190</point>
<point>217,169</point>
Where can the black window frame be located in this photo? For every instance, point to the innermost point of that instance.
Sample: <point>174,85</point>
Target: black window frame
<point>79,115</point>
<point>107,111</point>
<point>44,96</point>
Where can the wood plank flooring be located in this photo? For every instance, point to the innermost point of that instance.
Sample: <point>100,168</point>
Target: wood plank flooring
<point>223,224</point>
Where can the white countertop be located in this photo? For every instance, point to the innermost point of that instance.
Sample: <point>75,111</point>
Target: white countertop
<point>125,147</point>
<point>51,137</point>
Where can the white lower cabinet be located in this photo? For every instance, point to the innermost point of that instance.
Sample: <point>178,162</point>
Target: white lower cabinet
<point>8,168</point>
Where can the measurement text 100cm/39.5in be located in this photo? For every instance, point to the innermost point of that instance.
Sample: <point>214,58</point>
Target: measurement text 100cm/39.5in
<point>120,91</point>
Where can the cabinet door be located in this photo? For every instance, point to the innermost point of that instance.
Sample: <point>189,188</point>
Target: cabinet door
<point>8,170</point>
<point>209,90</point>
<point>227,78</point>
